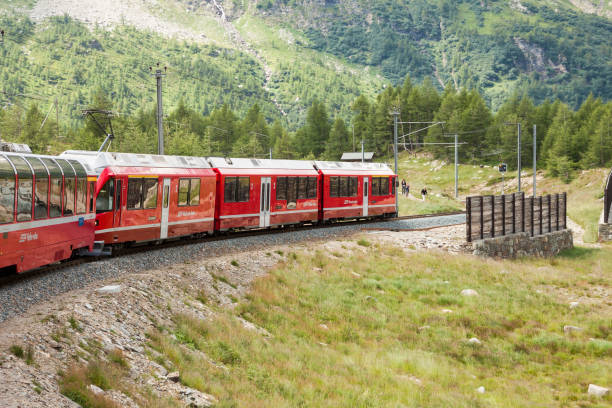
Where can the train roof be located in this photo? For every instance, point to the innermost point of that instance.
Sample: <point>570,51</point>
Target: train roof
<point>99,161</point>
<point>79,171</point>
<point>352,166</point>
<point>244,163</point>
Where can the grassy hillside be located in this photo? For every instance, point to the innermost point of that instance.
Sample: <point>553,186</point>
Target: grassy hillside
<point>585,191</point>
<point>369,329</point>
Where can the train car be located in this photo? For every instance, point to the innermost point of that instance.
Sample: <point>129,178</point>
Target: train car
<point>46,211</point>
<point>356,190</point>
<point>143,197</point>
<point>256,193</point>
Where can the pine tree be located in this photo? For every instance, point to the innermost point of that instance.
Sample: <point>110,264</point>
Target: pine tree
<point>315,132</point>
<point>338,141</point>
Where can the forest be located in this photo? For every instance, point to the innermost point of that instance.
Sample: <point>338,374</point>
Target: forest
<point>567,139</point>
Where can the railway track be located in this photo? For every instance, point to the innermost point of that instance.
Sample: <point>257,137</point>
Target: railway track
<point>11,279</point>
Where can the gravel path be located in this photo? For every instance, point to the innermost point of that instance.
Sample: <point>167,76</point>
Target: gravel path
<point>17,297</point>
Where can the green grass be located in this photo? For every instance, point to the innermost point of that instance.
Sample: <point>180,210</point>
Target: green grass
<point>341,341</point>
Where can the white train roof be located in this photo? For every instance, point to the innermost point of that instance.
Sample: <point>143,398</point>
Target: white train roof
<point>243,163</point>
<point>354,166</point>
<point>99,161</point>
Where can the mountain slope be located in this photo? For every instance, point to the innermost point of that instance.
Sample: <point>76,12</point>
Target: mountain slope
<point>283,54</point>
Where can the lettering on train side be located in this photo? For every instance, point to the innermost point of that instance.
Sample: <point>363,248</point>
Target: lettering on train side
<point>186,213</point>
<point>350,201</point>
<point>28,236</point>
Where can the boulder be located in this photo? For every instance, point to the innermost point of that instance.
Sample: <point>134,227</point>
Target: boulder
<point>597,391</point>
<point>469,292</point>
<point>95,389</point>
<point>474,341</point>
<point>110,289</point>
<point>573,305</point>
<point>480,390</point>
<point>174,376</point>
<point>196,399</point>
<point>570,329</point>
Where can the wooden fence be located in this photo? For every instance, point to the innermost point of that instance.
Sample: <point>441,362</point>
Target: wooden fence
<point>496,216</point>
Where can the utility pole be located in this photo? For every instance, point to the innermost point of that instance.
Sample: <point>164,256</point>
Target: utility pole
<point>535,159</point>
<point>519,156</point>
<point>395,112</point>
<point>353,137</point>
<point>362,152</point>
<point>518,153</point>
<point>57,117</point>
<point>270,153</point>
<point>456,166</point>
<point>160,126</point>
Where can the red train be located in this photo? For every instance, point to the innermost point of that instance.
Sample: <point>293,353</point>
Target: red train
<point>81,202</point>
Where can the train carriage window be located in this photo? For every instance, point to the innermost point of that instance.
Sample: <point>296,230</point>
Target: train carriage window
<point>189,192</point>
<point>312,188</point>
<point>291,190</point>
<point>55,190</point>
<point>375,186</point>
<point>194,192</point>
<point>333,186</point>
<point>229,189</point>
<point>41,191</point>
<point>69,186</point>
<point>104,200</point>
<point>134,194</point>
<point>81,202</point>
<point>281,188</point>
<point>149,193</point>
<point>244,185</point>
<point>353,186</point>
<point>92,187</point>
<point>69,192</point>
<point>183,192</point>
<point>302,188</point>
<point>343,189</point>
<point>25,189</point>
<point>117,195</point>
<point>392,181</point>
<point>7,191</point>
<point>384,186</point>
<point>236,189</point>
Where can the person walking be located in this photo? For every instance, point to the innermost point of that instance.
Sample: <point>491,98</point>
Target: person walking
<point>424,193</point>
<point>407,189</point>
<point>403,186</point>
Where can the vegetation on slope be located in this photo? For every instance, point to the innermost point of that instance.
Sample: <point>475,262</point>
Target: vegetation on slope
<point>370,329</point>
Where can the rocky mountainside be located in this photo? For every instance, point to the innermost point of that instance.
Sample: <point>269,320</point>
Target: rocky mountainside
<point>291,52</point>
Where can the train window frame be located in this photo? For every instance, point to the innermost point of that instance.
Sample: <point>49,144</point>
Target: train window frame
<point>7,175</point>
<point>189,184</point>
<point>302,189</point>
<point>25,181</point>
<point>281,187</point>
<point>334,186</point>
<point>109,197</point>
<point>311,189</point>
<point>236,189</point>
<point>150,184</point>
<point>292,190</point>
<point>41,183</point>
<point>138,186</point>
<point>69,191</point>
<point>81,199</point>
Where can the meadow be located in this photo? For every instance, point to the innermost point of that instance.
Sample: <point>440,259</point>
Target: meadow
<point>381,328</point>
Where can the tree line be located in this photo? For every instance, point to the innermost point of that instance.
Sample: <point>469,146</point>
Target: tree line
<point>567,139</point>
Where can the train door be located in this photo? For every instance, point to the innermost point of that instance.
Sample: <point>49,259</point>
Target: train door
<point>117,206</point>
<point>165,208</point>
<point>264,202</point>
<point>366,197</point>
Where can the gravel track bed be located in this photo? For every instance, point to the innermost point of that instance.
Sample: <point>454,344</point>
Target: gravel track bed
<point>17,297</point>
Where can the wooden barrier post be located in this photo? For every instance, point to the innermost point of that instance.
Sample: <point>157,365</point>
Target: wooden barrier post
<point>557,212</point>
<point>564,210</point>
<point>549,214</point>
<point>503,197</point>
<point>523,212</point>
<point>541,215</point>
<point>532,217</point>
<point>493,216</point>
<point>468,213</point>
<point>481,217</point>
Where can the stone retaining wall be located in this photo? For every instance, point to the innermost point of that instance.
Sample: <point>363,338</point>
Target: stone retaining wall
<point>605,232</point>
<point>521,244</point>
